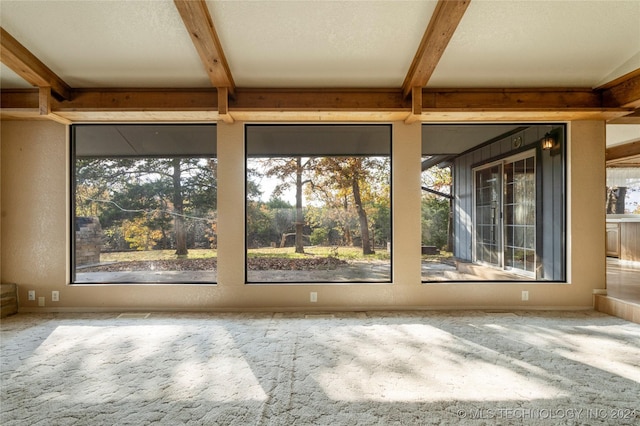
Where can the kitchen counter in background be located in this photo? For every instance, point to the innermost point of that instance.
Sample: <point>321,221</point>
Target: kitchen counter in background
<point>623,236</point>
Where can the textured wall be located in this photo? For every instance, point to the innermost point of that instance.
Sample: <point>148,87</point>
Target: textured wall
<point>34,191</point>
<point>34,204</point>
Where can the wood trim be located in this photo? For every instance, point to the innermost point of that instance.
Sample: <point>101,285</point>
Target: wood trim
<point>141,100</point>
<point>416,100</point>
<point>633,118</point>
<point>622,151</point>
<point>31,69</point>
<point>316,105</point>
<point>444,21</point>
<point>624,93</point>
<point>44,106</point>
<point>619,80</point>
<point>523,115</point>
<point>197,19</point>
<point>223,105</point>
<point>317,99</point>
<point>416,105</point>
<point>512,99</point>
<point>44,100</point>
<point>356,100</point>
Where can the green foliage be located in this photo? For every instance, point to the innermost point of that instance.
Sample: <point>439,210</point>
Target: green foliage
<point>435,221</point>
<point>381,222</point>
<point>319,236</point>
<point>346,200</point>
<point>138,200</point>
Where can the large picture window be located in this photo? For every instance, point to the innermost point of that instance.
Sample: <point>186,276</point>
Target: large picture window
<point>493,203</point>
<point>318,203</point>
<point>144,203</point>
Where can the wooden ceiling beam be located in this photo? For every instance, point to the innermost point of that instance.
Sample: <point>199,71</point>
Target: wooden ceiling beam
<point>633,118</point>
<point>512,99</point>
<point>627,150</point>
<point>318,100</point>
<point>197,19</point>
<point>623,91</point>
<point>321,104</point>
<point>29,67</point>
<point>223,105</point>
<point>141,100</point>
<point>444,21</point>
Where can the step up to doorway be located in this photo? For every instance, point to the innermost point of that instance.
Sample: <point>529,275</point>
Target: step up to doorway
<point>618,308</point>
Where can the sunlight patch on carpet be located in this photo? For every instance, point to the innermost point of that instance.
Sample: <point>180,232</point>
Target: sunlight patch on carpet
<point>147,362</point>
<point>420,363</point>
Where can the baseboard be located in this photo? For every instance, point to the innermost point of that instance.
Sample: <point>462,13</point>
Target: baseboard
<point>499,308</point>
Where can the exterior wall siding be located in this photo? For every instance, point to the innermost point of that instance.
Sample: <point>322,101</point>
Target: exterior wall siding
<point>550,206</point>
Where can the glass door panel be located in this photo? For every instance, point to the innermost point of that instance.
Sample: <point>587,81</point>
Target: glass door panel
<point>520,215</point>
<point>488,238</point>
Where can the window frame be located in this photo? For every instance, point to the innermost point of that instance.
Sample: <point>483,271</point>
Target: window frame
<point>73,140</point>
<point>521,147</point>
<point>247,156</point>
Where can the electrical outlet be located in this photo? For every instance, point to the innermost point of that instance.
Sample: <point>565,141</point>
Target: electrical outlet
<point>32,295</point>
<point>40,301</point>
<point>525,295</point>
<point>313,296</point>
<point>55,296</point>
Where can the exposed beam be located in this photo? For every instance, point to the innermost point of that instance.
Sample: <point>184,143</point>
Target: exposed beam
<point>444,21</point>
<point>142,99</point>
<point>416,105</point>
<point>31,69</point>
<point>318,104</point>
<point>319,100</point>
<point>624,91</point>
<point>512,99</point>
<point>622,151</point>
<point>633,118</point>
<point>223,105</point>
<point>141,105</point>
<point>197,19</point>
<point>633,162</point>
<point>44,100</point>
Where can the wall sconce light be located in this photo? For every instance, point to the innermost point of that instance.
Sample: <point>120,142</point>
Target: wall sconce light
<point>548,141</point>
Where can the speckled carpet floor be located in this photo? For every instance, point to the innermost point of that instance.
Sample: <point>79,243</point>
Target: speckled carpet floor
<point>374,368</point>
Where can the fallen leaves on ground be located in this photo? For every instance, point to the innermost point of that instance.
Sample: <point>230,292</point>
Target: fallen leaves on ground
<point>283,264</point>
<point>254,264</point>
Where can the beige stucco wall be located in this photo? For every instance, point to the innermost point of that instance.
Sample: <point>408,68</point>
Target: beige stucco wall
<point>35,236</point>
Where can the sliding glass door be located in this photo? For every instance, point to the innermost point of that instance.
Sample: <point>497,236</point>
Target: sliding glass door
<point>505,214</point>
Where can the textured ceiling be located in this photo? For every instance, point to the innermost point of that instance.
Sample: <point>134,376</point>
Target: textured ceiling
<point>320,44</point>
<point>291,44</point>
<point>107,43</point>
<point>541,44</point>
